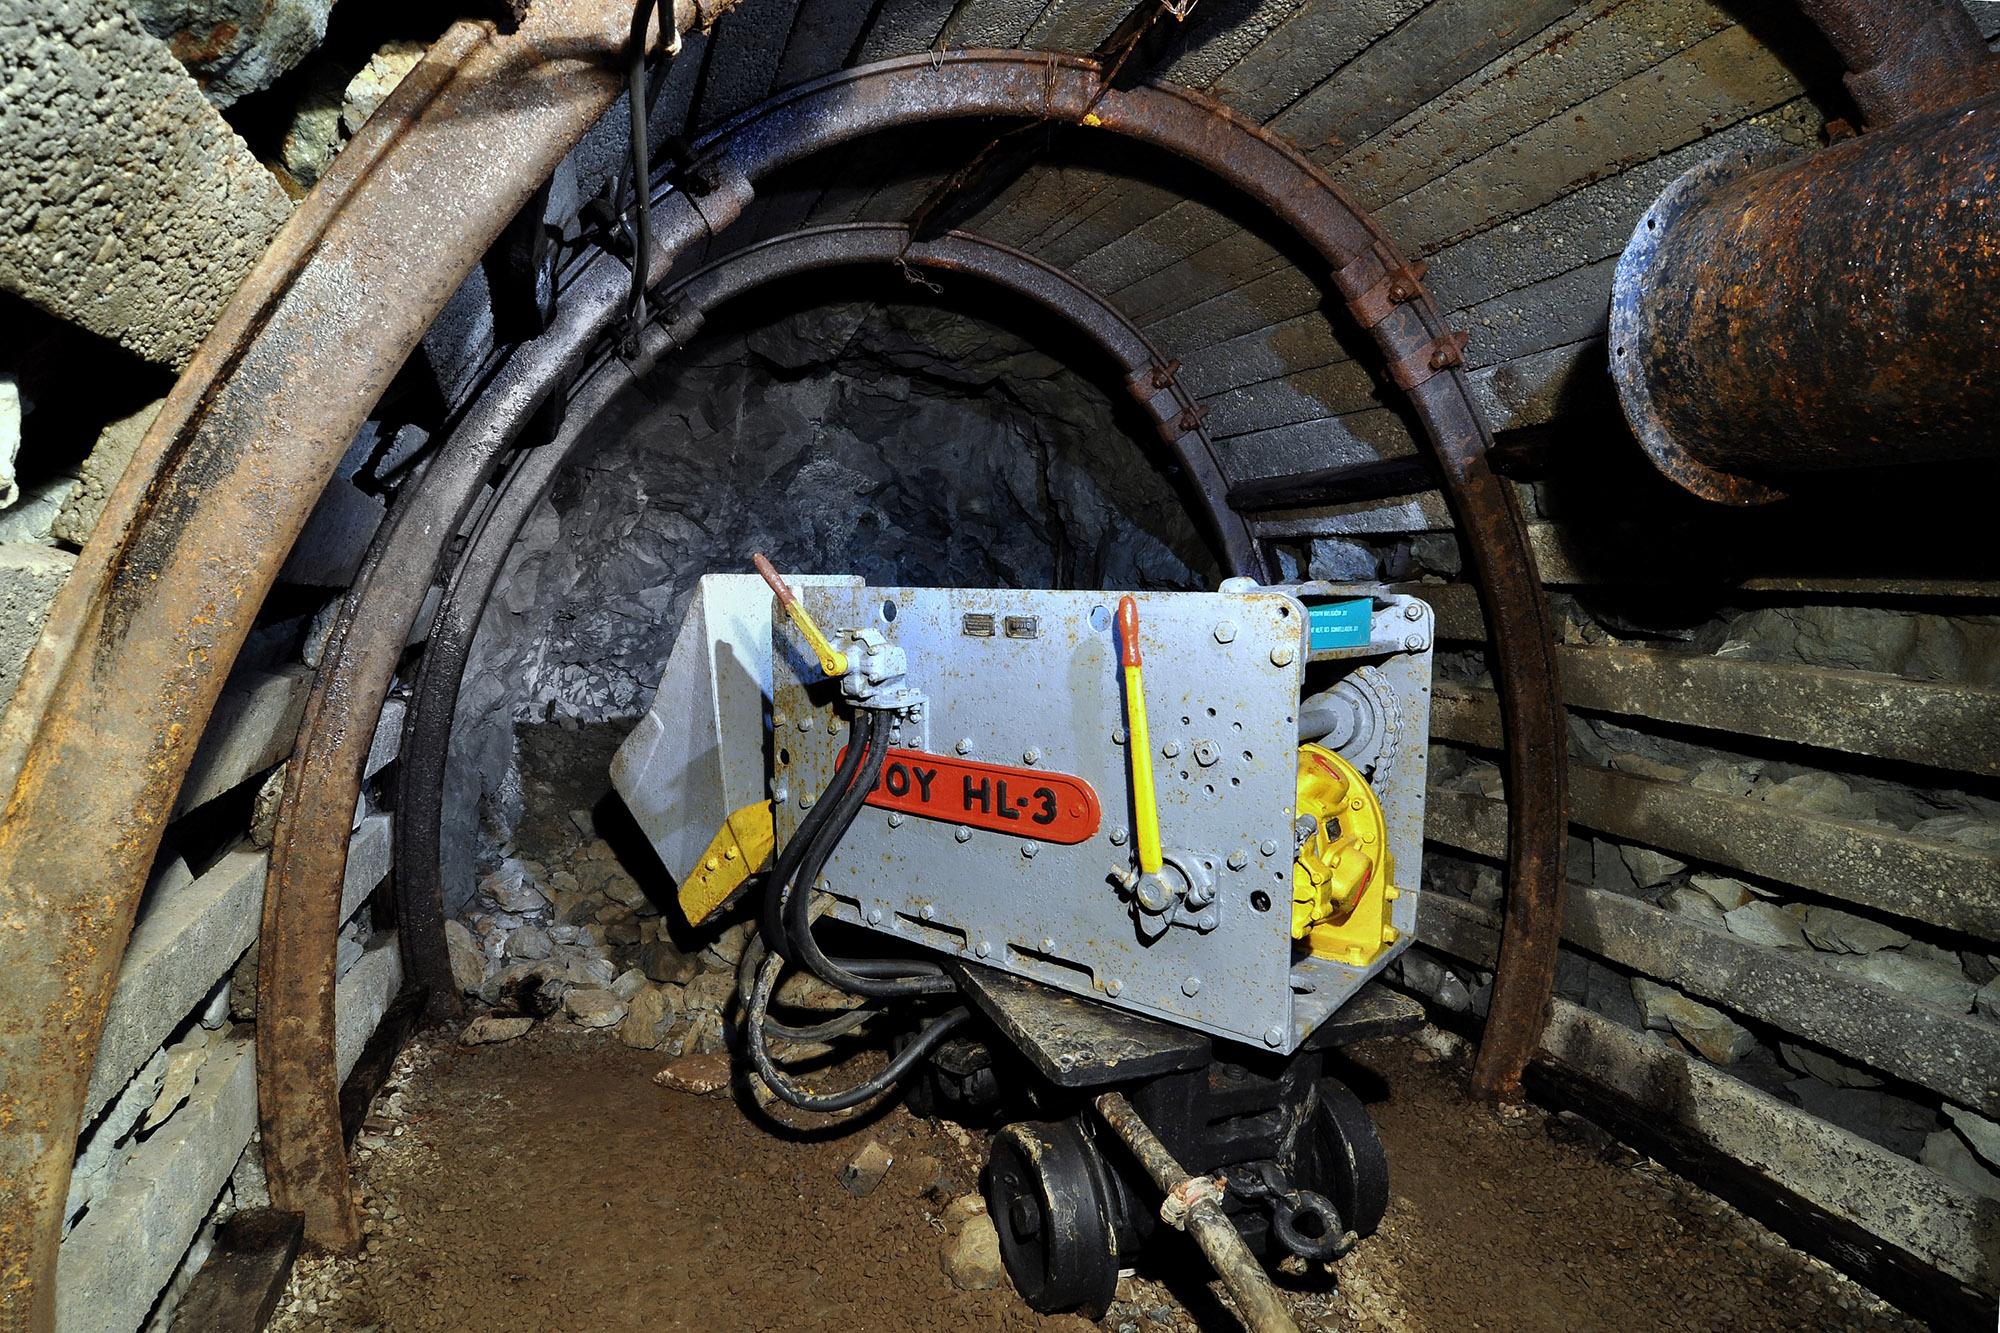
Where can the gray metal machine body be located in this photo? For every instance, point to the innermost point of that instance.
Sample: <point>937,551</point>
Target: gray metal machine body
<point>1031,681</point>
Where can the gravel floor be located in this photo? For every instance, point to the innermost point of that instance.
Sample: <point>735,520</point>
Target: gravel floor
<point>549,1182</point>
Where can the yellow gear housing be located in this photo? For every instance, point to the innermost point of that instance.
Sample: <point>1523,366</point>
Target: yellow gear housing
<point>1341,887</point>
<point>739,848</point>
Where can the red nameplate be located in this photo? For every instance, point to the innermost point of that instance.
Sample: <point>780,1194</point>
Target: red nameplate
<point>1027,802</point>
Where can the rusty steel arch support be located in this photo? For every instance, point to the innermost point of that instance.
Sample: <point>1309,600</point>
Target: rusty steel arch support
<point>434,699</point>
<point>98,736</point>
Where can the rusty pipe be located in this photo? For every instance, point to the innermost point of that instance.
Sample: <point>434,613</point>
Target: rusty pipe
<point>1832,311</point>
<point>1905,57</point>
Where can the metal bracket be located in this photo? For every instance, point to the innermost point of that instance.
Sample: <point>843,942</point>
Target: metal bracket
<point>1420,364</point>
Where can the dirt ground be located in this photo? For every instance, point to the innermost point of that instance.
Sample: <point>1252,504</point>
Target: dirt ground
<point>549,1183</point>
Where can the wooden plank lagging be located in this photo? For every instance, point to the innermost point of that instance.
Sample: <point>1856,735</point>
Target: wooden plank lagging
<point>1936,724</point>
<point>1956,1056</point>
<point>1310,48</point>
<point>1941,884</point>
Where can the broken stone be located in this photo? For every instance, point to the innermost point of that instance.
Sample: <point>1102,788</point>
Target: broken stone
<point>972,1257</point>
<point>1719,1039</point>
<point>313,136</point>
<point>1695,904</point>
<point>1727,894</point>
<point>729,945</point>
<point>1766,923</point>
<point>10,439</point>
<point>1913,973</point>
<point>1967,830</point>
<point>489,1028</point>
<point>865,1170</point>
<point>468,962</point>
<point>1878,1116</point>
<point>184,1063</point>
<point>1817,794</point>
<point>264,810</point>
<point>529,942</point>
<point>711,992</point>
<point>699,1075</point>
<point>661,960</point>
<point>1982,1134</point>
<point>593,1008</point>
<point>1824,1067</point>
<point>1844,932</point>
<point>706,1034</point>
<point>962,1210</point>
<point>1726,777</point>
<point>1951,1157</point>
<point>236,47</point>
<point>649,1017</point>
<point>803,990</point>
<point>628,983</point>
<point>1644,767</point>
<point>1649,868</point>
<point>508,889</point>
<point>1987,1001</point>
<point>377,79</point>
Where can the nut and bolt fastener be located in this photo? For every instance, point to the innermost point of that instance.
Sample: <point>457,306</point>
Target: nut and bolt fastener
<point>1033,756</point>
<point>1048,945</point>
<point>1114,988</point>
<point>1171,749</point>
<point>874,916</point>
<point>1274,1036</point>
<point>895,819</point>
<point>1282,655</point>
<point>1191,986</point>
<point>963,834</point>
<point>1415,643</point>
<point>1269,847</point>
<point>1238,859</point>
<point>964,745</point>
<point>1118,836</point>
<point>1414,611</point>
<point>805,800</point>
<point>1205,753</point>
<point>1206,922</point>
<point>1118,736</point>
<point>806,723</point>
<point>1028,849</point>
<point>983,949</point>
<point>1225,631</point>
<point>927,912</point>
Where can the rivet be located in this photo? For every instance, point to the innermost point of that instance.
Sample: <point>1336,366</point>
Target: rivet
<point>1032,757</point>
<point>805,800</point>
<point>963,834</point>
<point>1114,988</point>
<point>983,949</point>
<point>714,863</point>
<point>1282,655</point>
<point>1191,986</point>
<point>1274,1036</point>
<point>806,723</point>
<point>1238,859</point>
<point>1118,836</point>
<point>927,912</point>
<point>964,745</point>
<point>1269,847</point>
<point>1171,749</point>
<point>1225,631</point>
<point>1118,736</point>
<point>874,916</point>
<point>895,819</point>
<point>1028,849</point>
<point>1414,611</point>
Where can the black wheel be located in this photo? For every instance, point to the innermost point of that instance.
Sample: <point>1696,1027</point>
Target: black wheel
<point>1345,1161</point>
<point>1045,1189</point>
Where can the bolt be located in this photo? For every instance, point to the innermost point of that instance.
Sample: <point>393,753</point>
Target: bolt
<point>874,916</point>
<point>1414,611</point>
<point>1207,921</point>
<point>1171,749</point>
<point>1191,986</point>
<point>1269,846</point>
<point>1415,643</point>
<point>1028,849</point>
<point>1114,988</point>
<point>1238,859</point>
<point>805,800</point>
<point>895,819</point>
<point>1274,1036</point>
<point>927,912</point>
<point>806,723</point>
<point>1282,655</point>
<point>1225,631</point>
<point>1033,756</point>
<point>1205,753</point>
<point>779,719</point>
<point>1118,836</point>
<point>963,834</point>
<point>964,745</point>
<point>1118,736</point>
<point>983,949</point>
<point>1048,945</point>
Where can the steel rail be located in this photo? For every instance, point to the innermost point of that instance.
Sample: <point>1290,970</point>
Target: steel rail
<point>97,738</point>
<point>434,698</point>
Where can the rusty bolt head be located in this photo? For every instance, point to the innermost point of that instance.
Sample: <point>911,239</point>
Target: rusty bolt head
<point>1282,655</point>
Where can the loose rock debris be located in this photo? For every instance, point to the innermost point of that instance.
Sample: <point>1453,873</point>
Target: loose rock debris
<point>562,1180</point>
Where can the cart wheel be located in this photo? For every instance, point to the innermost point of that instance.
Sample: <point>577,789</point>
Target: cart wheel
<point>1044,1188</point>
<point>1347,1163</point>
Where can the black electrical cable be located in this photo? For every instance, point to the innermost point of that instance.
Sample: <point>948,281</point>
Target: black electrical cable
<point>869,1088</point>
<point>639,167</point>
<point>772,923</point>
<point>754,953</point>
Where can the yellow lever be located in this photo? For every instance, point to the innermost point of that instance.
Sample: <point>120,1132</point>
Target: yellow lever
<point>1145,805</point>
<point>831,660</point>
